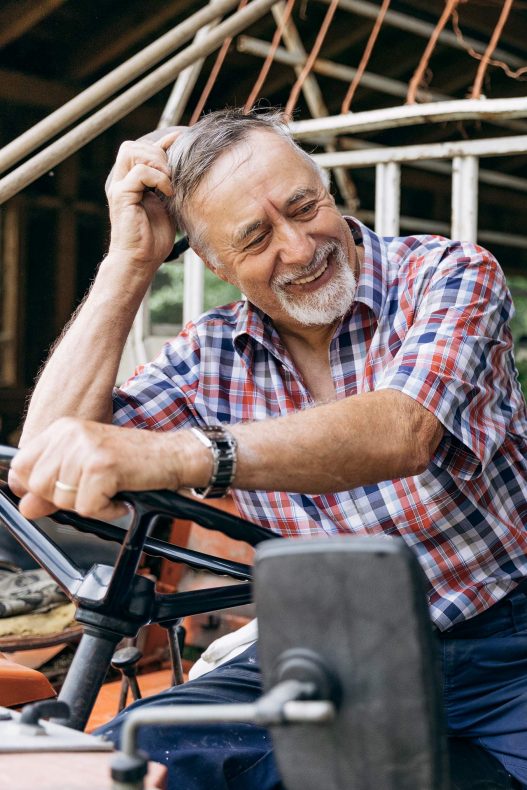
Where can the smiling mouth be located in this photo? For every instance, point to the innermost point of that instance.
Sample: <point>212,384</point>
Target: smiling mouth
<point>319,272</point>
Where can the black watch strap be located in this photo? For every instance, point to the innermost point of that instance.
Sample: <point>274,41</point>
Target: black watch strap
<point>223,446</point>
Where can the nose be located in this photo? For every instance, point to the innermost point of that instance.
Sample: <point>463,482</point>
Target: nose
<point>294,244</point>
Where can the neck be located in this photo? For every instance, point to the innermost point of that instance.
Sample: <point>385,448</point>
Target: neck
<point>315,339</point>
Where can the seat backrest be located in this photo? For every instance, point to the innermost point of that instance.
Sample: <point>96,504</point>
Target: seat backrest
<point>359,604</point>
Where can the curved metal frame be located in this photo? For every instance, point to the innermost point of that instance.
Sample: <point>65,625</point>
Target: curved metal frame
<point>114,602</point>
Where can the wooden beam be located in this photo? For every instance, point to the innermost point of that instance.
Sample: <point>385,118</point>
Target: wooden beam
<point>19,17</point>
<point>9,317</point>
<point>21,88</point>
<point>66,246</point>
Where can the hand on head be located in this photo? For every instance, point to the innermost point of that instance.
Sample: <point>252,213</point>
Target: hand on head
<point>142,229</point>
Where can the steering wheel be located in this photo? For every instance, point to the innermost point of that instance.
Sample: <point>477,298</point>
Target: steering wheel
<point>115,601</point>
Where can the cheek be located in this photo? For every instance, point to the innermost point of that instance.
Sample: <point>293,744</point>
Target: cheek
<point>255,272</point>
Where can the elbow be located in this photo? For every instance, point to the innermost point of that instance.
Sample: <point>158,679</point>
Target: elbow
<point>417,458</point>
<point>421,461</point>
<point>423,433</point>
<point>425,443</point>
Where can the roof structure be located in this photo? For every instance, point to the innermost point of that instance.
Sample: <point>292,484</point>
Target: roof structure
<point>315,58</point>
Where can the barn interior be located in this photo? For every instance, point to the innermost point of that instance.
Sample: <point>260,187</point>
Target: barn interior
<point>362,56</point>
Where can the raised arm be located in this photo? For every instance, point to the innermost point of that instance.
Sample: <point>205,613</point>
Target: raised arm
<point>78,378</point>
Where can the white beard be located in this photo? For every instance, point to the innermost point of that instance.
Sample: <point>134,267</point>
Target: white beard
<point>327,304</point>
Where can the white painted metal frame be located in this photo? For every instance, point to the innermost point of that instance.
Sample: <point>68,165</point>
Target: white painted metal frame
<point>387,198</point>
<point>369,157</point>
<point>193,286</point>
<point>318,129</point>
<point>465,198</point>
<point>464,156</point>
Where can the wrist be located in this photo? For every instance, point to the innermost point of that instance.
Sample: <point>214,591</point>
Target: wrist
<point>118,274</point>
<point>189,462</point>
<point>223,448</point>
<point>129,262</point>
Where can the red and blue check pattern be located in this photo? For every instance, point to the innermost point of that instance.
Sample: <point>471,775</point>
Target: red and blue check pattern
<point>430,320</point>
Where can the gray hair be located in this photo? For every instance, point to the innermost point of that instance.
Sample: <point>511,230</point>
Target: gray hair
<point>196,150</point>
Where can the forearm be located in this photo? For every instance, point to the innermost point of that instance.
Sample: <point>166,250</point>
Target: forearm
<point>79,376</point>
<point>357,441</point>
<point>77,381</point>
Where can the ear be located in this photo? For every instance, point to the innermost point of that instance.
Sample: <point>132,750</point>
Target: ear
<point>210,264</point>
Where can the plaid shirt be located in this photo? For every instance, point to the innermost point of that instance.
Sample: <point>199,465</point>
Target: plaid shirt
<point>430,320</point>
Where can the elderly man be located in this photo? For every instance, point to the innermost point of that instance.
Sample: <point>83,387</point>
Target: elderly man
<point>365,385</point>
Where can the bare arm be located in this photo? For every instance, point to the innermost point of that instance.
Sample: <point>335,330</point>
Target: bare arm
<point>357,441</point>
<point>361,440</point>
<point>78,378</point>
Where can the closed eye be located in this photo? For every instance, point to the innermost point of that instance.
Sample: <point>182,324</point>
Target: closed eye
<point>307,208</point>
<point>257,241</point>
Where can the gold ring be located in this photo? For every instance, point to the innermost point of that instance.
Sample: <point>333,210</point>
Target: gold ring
<point>66,487</point>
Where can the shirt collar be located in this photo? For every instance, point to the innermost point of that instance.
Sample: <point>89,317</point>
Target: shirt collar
<point>254,326</point>
<point>371,286</point>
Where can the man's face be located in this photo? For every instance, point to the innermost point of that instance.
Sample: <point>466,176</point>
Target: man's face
<point>270,222</point>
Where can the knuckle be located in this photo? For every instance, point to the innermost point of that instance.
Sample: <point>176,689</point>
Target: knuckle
<point>19,465</point>
<point>38,482</point>
<point>139,170</point>
<point>126,147</point>
<point>14,483</point>
<point>99,461</point>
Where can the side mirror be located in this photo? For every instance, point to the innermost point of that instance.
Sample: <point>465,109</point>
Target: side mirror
<point>356,607</point>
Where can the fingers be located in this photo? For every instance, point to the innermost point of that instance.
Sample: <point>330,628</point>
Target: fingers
<point>32,506</point>
<point>143,176</point>
<point>147,153</point>
<point>149,150</point>
<point>80,465</point>
<point>64,468</point>
<point>167,140</point>
<point>138,152</point>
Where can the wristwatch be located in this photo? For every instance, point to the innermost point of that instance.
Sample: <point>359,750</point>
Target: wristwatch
<point>223,446</point>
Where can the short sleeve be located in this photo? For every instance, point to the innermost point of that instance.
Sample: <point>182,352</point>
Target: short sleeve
<point>161,394</point>
<point>455,358</point>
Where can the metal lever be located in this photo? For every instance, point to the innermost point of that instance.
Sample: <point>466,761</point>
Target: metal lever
<point>285,703</point>
<point>125,660</point>
<point>45,709</point>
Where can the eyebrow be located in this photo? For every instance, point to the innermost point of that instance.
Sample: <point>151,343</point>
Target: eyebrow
<point>245,232</point>
<point>300,194</point>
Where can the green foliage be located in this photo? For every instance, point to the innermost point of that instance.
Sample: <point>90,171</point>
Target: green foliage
<point>166,296</point>
<point>166,299</point>
<point>218,292</point>
<point>518,288</point>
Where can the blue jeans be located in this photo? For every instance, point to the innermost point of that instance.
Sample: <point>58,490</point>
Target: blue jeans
<point>484,667</point>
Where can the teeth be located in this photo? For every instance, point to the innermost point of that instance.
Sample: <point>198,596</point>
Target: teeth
<point>317,274</point>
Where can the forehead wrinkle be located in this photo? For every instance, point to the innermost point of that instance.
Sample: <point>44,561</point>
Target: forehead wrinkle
<point>232,159</point>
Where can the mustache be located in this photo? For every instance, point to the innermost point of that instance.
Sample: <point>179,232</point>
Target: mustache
<point>321,253</point>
